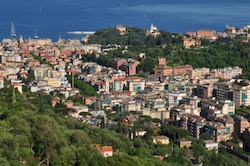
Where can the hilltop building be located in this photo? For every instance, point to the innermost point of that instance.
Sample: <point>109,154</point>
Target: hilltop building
<point>153,31</point>
<point>122,29</point>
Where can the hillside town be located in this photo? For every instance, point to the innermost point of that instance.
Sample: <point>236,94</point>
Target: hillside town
<point>199,100</point>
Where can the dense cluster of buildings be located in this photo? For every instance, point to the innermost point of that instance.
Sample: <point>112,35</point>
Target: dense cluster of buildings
<point>199,100</point>
<point>193,38</point>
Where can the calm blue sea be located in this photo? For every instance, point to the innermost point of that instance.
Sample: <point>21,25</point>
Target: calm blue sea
<point>53,18</point>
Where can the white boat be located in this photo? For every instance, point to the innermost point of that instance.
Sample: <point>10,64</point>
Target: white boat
<point>13,30</point>
<point>36,36</point>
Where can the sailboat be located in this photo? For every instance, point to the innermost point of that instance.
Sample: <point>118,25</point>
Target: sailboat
<point>13,30</point>
<point>36,36</point>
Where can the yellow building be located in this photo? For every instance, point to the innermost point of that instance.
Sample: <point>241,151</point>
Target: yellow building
<point>198,72</point>
<point>161,139</point>
<point>156,114</point>
<point>188,42</point>
<point>184,143</point>
<point>54,82</point>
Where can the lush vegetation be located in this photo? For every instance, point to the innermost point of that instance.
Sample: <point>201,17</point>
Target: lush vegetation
<point>222,53</point>
<point>135,38</point>
<point>32,133</point>
<point>85,88</point>
<point>42,61</point>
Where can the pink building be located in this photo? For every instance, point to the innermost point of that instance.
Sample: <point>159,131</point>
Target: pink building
<point>129,67</point>
<point>226,73</point>
<point>191,34</point>
<point>118,62</point>
<point>162,61</point>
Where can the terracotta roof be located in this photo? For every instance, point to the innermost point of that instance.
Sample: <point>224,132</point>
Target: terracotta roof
<point>107,148</point>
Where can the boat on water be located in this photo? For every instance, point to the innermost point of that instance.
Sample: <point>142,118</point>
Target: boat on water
<point>36,36</point>
<point>13,30</point>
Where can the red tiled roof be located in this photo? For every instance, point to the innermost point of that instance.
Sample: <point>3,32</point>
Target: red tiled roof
<point>107,148</point>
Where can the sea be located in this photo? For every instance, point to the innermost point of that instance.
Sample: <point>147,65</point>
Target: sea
<point>54,18</point>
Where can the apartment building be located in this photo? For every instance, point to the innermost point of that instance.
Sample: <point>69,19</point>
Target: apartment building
<point>205,91</point>
<point>136,85</point>
<point>162,115</point>
<point>41,72</point>
<point>198,72</point>
<point>118,86</point>
<point>227,107</point>
<point>193,123</point>
<point>226,73</point>
<point>158,104</point>
<point>193,101</point>
<point>220,130</point>
<point>164,70</point>
<point>224,90</point>
<point>241,95</point>
<point>174,97</point>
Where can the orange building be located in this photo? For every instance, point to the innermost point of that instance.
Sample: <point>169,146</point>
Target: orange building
<point>179,70</point>
<point>34,63</point>
<point>164,70</point>
<point>205,33</point>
